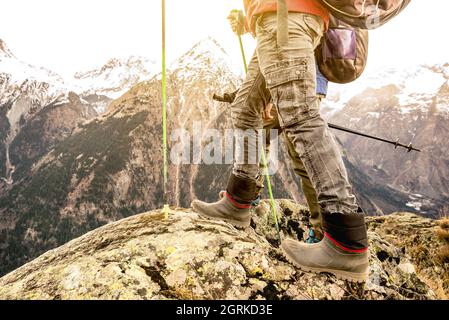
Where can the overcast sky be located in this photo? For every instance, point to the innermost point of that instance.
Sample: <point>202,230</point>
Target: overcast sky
<point>72,35</point>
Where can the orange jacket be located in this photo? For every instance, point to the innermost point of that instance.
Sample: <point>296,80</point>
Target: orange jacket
<point>255,7</point>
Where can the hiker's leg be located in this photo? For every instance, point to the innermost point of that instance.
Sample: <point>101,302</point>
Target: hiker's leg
<point>298,167</point>
<point>246,113</point>
<point>306,184</point>
<point>290,73</point>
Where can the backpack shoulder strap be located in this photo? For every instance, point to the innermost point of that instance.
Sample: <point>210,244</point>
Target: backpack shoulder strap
<point>282,16</point>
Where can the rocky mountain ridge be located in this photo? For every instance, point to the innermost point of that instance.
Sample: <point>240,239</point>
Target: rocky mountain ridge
<point>89,170</point>
<point>28,95</point>
<point>178,255</point>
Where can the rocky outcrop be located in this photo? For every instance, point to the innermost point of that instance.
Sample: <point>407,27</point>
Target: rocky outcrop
<point>425,241</point>
<point>179,255</point>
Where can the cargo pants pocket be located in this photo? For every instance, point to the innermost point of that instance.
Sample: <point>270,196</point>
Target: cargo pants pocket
<point>292,86</point>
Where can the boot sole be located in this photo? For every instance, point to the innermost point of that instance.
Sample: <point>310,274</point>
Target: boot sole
<point>342,275</point>
<point>236,224</point>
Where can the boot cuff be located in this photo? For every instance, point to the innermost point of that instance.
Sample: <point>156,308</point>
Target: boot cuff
<point>241,190</point>
<point>236,204</point>
<point>348,230</point>
<point>342,247</point>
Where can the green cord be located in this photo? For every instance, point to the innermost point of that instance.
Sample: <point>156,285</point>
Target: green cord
<point>164,104</point>
<point>270,193</point>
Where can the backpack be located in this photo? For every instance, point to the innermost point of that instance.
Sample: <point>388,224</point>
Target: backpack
<point>365,14</point>
<point>342,55</point>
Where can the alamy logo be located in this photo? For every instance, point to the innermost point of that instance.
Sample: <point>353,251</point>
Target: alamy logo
<point>230,146</point>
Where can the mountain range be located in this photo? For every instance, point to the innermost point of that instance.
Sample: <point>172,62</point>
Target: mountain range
<point>410,105</point>
<point>79,153</point>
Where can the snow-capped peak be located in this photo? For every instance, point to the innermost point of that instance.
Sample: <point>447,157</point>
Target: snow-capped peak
<point>416,85</point>
<point>141,64</point>
<point>17,76</point>
<point>207,54</point>
<point>208,46</point>
<point>112,79</point>
<point>115,77</point>
<point>4,50</point>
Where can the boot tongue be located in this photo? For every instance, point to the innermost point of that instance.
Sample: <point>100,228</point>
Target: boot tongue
<point>312,239</point>
<point>256,202</point>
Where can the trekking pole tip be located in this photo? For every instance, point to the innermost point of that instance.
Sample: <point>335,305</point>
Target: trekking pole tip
<point>166,210</point>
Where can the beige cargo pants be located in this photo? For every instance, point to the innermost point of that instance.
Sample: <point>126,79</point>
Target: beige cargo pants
<point>288,76</point>
<point>298,167</point>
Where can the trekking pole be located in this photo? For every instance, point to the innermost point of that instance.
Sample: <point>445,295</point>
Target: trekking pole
<point>166,209</point>
<point>242,50</point>
<point>396,143</point>
<point>264,158</point>
<point>230,97</point>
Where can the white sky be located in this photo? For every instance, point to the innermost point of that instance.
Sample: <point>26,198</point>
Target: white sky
<point>73,35</point>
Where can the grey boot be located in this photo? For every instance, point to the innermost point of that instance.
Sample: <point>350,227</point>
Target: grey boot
<point>234,205</point>
<point>239,215</point>
<point>328,256</point>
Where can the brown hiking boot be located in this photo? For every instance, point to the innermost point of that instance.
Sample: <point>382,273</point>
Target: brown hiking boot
<point>226,209</point>
<point>328,256</point>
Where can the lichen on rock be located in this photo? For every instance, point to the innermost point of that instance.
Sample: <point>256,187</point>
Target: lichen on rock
<point>149,256</point>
